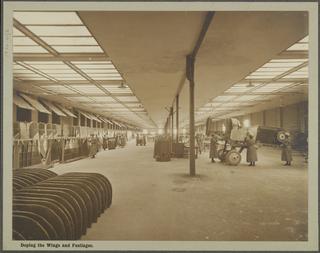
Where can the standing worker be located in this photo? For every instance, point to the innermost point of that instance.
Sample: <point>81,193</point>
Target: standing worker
<point>251,150</point>
<point>213,148</point>
<point>286,154</point>
<point>93,146</point>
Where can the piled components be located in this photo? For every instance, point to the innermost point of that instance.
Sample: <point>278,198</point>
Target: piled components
<point>51,207</point>
<point>162,149</point>
<point>111,143</point>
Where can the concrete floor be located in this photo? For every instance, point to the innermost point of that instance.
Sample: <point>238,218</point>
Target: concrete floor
<point>159,201</point>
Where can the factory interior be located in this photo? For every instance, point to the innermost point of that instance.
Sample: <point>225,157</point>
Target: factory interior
<point>160,126</point>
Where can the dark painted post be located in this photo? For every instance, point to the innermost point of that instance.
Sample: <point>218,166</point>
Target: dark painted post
<point>177,118</point>
<point>190,77</point>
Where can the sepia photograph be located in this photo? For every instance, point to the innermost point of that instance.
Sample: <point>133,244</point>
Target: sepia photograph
<point>179,124</point>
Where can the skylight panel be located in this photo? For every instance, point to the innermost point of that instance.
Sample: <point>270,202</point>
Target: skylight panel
<point>111,78</point>
<point>272,87</point>
<point>133,105</point>
<point>80,99</point>
<point>127,99</point>
<point>47,18</point>
<point>71,41</point>
<point>289,60</point>
<point>223,98</point>
<point>78,49</point>
<point>231,104</point>
<point>103,99</point>
<point>94,66</point>
<point>118,90</point>
<point>212,104</point>
<point>247,97</point>
<point>297,75</point>
<point>59,30</point>
<point>29,49</point>
<point>58,89</point>
<point>205,109</point>
<point>137,109</point>
<point>45,67</point>
<point>22,71</point>
<point>87,89</point>
<point>100,71</point>
<point>305,39</point>
<point>299,46</point>
<point>58,71</point>
<point>28,78</point>
<point>92,62</point>
<point>23,41</point>
<point>62,77</point>
<point>281,64</point>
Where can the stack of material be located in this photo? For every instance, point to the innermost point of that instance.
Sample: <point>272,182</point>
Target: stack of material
<point>178,150</point>
<point>162,149</point>
<point>60,207</point>
<point>112,143</point>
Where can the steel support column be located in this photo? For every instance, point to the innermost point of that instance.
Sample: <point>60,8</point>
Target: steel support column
<point>190,77</point>
<point>177,118</point>
<point>171,116</point>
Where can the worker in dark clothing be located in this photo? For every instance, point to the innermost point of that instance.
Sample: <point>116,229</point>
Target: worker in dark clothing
<point>213,148</point>
<point>286,153</point>
<point>93,146</point>
<point>251,150</point>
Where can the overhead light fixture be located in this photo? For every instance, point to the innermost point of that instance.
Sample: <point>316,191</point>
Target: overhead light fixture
<point>250,85</point>
<point>122,86</point>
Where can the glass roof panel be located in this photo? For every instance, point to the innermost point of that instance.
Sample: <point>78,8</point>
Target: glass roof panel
<point>53,66</point>
<point>32,78</point>
<point>78,49</point>
<point>29,49</point>
<point>22,71</point>
<point>71,78</point>
<point>87,89</point>
<point>297,75</point>
<point>92,62</point>
<point>66,75</point>
<point>75,41</point>
<point>281,64</point>
<point>127,99</point>
<point>305,39</point>
<point>16,32</point>
<point>58,88</point>
<point>23,41</point>
<point>45,63</point>
<point>59,30</point>
<point>58,71</point>
<point>289,60</point>
<point>212,104</point>
<point>80,99</point>
<point>100,71</point>
<point>299,46</point>
<point>133,105</point>
<point>107,78</point>
<point>247,97</point>
<point>95,66</point>
<point>223,98</point>
<point>103,99</point>
<point>46,18</point>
